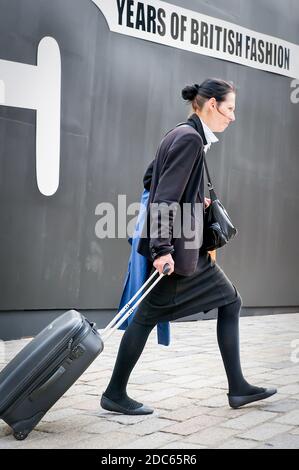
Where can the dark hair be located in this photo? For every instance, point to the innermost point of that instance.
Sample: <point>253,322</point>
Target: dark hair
<point>210,88</point>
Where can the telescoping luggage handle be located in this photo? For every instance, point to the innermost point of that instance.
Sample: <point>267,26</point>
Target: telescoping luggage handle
<point>112,326</point>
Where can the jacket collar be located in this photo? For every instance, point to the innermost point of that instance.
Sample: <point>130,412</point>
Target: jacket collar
<point>195,122</point>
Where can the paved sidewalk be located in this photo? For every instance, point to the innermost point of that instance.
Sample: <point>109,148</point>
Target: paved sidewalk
<point>186,384</point>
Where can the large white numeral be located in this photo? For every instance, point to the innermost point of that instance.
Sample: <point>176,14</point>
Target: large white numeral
<point>39,88</point>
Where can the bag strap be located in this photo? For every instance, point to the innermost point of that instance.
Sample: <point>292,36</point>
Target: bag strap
<point>209,183</point>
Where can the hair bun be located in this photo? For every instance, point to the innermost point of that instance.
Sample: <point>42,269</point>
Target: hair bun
<point>189,92</point>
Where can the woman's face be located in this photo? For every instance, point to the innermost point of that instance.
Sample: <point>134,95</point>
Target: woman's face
<point>221,114</point>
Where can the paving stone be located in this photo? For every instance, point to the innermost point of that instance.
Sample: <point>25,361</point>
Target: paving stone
<point>236,443</point>
<point>285,380</point>
<point>295,430</point>
<point>221,387</point>
<point>182,445</point>
<point>227,412</point>
<point>250,419</point>
<point>283,441</point>
<point>193,425</point>
<point>291,370</point>
<point>150,378</point>
<point>60,414</point>
<point>211,436</point>
<point>280,365</point>
<point>68,402</point>
<point>66,424</point>
<point>184,413</point>
<point>110,440</point>
<point>265,431</point>
<point>79,389</point>
<point>173,403</point>
<point>41,440</point>
<point>90,404</point>
<point>183,371</point>
<point>100,426</point>
<point>255,371</point>
<point>161,395</point>
<point>289,418</point>
<point>147,389</point>
<point>95,391</point>
<point>199,384</point>
<point>282,406</point>
<point>294,369</point>
<point>274,398</point>
<point>292,389</point>
<point>205,393</point>
<point>124,419</point>
<point>152,441</point>
<point>216,401</point>
<point>5,430</point>
<point>215,381</point>
<point>186,379</point>
<point>149,426</point>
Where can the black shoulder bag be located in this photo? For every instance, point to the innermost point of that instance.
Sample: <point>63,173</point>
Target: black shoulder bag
<point>218,228</point>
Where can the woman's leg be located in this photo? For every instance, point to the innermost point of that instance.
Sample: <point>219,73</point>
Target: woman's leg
<point>130,349</point>
<point>134,340</point>
<point>228,341</point>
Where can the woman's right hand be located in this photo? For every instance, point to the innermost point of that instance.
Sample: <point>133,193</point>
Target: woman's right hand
<point>160,262</point>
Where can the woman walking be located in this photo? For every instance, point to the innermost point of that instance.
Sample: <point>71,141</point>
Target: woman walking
<point>195,283</point>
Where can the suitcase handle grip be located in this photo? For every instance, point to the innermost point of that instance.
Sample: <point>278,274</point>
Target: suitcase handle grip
<point>166,269</point>
<point>36,393</point>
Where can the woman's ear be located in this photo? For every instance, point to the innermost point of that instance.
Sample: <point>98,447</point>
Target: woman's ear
<point>212,103</point>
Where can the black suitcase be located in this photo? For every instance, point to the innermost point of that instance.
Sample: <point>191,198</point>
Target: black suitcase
<point>47,366</point>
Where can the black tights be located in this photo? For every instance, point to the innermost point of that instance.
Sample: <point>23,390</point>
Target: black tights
<point>136,335</point>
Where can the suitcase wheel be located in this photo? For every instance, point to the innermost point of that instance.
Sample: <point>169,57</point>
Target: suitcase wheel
<point>20,436</point>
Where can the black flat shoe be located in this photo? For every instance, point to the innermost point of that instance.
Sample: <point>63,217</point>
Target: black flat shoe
<point>236,401</point>
<point>110,405</point>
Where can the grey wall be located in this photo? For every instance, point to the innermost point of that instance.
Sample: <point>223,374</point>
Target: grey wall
<point>119,96</point>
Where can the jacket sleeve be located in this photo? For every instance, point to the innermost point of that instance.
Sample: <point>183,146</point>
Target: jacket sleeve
<point>147,179</point>
<point>173,179</point>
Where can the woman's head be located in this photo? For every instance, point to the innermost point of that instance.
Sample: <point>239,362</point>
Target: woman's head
<point>213,101</point>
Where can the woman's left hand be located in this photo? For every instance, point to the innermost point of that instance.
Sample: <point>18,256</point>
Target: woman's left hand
<point>207,202</point>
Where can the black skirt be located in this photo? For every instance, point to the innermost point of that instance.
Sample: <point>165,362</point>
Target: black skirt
<point>177,296</point>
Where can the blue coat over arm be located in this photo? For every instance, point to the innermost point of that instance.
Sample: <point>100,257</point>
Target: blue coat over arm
<point>139,268</point>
